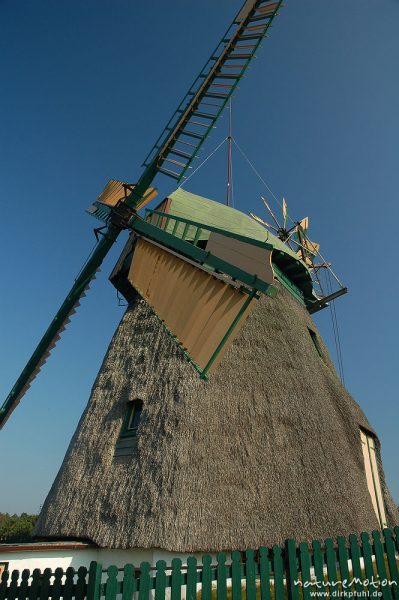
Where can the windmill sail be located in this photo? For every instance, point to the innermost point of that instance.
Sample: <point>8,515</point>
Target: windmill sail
<point>171,155</point>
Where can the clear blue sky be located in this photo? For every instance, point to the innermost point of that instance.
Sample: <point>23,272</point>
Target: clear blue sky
<point>87,87</point>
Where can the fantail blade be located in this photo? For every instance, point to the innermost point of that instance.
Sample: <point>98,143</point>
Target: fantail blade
<point>271,212</point>
<point>284,212</point>
<point>261,221</point>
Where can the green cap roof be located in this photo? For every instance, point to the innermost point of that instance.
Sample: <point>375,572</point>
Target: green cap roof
<point>209,212</point>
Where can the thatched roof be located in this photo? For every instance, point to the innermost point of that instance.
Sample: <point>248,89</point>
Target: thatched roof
<point>268,449</point>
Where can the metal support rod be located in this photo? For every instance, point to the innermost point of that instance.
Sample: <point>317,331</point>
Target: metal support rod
<point>229,144</point>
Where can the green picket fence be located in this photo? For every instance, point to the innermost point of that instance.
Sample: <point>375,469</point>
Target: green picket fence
<point>365,567</point>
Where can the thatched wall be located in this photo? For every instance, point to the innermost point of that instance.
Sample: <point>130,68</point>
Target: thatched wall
<point>268,449</point>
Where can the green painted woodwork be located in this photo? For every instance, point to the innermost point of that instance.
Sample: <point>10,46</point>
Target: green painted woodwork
<point>206,259</point>
<point>354,555</point>
<point>392,563</point>
<point>318,563</point>
<point>250,575</point>
<point>160,581</point>
<point>191,589</point>
<point>228,333</point>
<point>94,582</point>
<point>206,578</point>
<point>81,283</point>
<point>145,582</point>
<point>332,568</point>
<point>380,563</point>
<point>221,593</point>
<point>278,569</point>
<point>209,215</point>
<point>292,570</point>
<point>368,562</point>
<point>264,573</point>
<point>236,576</point>
<point>176,579</point>
<point>343,566</point>
<point>304,561</point>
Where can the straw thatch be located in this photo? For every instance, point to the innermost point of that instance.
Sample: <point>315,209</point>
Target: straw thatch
<point>268,449</point>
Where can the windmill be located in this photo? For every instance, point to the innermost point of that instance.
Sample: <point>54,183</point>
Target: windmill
<point>217,411</point>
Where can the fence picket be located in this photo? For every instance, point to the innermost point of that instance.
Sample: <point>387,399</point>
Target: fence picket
<point>111,586</point>
<point>236,575</point>
<point>368,563</point>
<point>332,568</point>
<point>24,585</point>
<point>392,564</point>
<point>250,575</point>
<point>160,580</point>
<point>191,591</point>
<point>380,562</point>
<point>3,585</point>
<point>264,569</point>
<point>94,581</point>
<point>176,580</point>
<point>33,592</point>
<point>292,570</point>
<point>45,584</point>
<point>305,570</point>
<point>396,530</point>
<point>278,570</point>
<point>354,552</point>
<point>57,585</point>
<point>206,578</point>
<point>81,587</point>
<point>343,567</point>
<point>13,587</point>
<point>318,563</point>
<point>221,592</point>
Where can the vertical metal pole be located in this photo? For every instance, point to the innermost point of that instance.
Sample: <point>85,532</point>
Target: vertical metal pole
<point>229,143</point>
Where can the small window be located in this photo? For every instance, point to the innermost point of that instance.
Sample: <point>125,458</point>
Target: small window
<point>373,476</point>
<point>315,341</point>
<point>132,419</point>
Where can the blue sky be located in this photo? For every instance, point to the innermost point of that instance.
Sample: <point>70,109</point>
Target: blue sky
<point>88,86</point>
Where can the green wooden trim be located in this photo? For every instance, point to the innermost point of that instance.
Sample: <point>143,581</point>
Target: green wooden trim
<point>305,570</point>
<point>129,584</point>
<point>288,284</point>
<point>354,553</point>
<point>206,578</point>
<point>221,592</point>
<point>206,259</point>
<point>228,333</point>
<point>292,570</point>
<point>94,582</point>
<point>380,562</point>
<point>211,228</point>
<point>343,567</point>
<point>278,569</point>
<point>368,562</point>
<point>391,558</point>
<point>236,575</point>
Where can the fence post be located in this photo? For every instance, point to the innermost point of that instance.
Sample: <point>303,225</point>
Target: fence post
<point>292,569</point>
<point>94,581</point>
